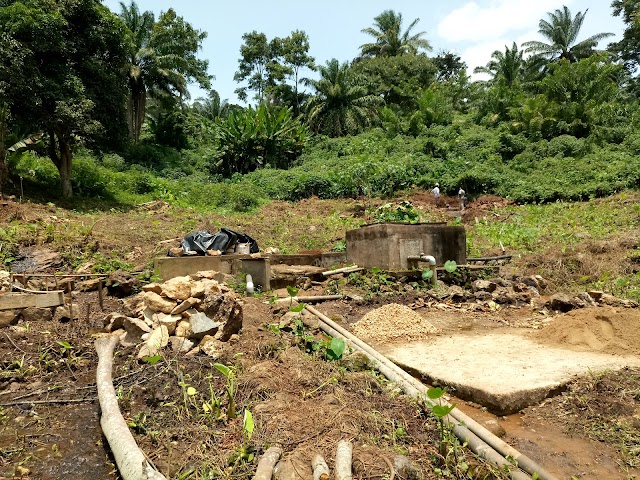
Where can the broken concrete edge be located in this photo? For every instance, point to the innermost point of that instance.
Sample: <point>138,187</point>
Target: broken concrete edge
<point>498,404</point>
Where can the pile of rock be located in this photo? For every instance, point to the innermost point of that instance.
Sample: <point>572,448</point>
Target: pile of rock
<point>190,314</point>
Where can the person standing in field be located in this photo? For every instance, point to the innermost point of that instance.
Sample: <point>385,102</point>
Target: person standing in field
<point>436,194</point>
<point>461,198</point>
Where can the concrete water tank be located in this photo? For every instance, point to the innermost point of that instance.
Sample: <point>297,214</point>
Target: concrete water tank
<point>387,245</point>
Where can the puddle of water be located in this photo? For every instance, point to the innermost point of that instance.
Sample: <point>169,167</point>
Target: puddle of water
<point>563,455</point>
<point>78,451</point>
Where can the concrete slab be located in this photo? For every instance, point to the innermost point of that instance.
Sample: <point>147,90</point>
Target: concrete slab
<point>505,372</point>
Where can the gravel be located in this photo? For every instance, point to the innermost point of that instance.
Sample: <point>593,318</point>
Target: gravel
<point>393,322</point>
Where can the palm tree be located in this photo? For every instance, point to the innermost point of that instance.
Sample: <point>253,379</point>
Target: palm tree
<point>389,41</point>
<point>159,64</point>
<point>212,106</point>
<point>508,66</point>
<point>341,105</point>
<point>562,32</point>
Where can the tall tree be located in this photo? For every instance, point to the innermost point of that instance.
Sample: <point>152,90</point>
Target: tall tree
<point>67,81</point>
<point>449,66</point>
<point>342,105</point>
<point>295,54</point>
<point>628,48</point>
<point>507,66</point>
<point>561,30</point>
<point>390,40</point>
<point>257,65</point>
<point>162,59</point>
<point>398,80</point>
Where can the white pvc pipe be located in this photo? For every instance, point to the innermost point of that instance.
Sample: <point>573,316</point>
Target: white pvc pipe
<point>466,429</point>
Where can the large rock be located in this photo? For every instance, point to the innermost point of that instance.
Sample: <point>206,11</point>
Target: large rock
<point>186,305</point>
<point>484,286</point>
<point>122,284</point>
<point>8,317</point>
<point>357,362</point>
<point>181,344</point>
<point>90,285</point>
<point>134,329</point>
<point>610,300</point>
<point>226,309</point>
<point>114,321</point>
<point>152,287</point>
<point>561,302</point>
<point>211,346</point>
<point>169,321</point>
<point>201,325</point>
<point>183,329</point>
<point>177,288</point>
<point>62,314</point>
<point>157,303</point>
<point>158,339</point>
<point>35,314</point>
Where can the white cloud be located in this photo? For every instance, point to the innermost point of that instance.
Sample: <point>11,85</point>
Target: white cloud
<point>479,54</point>
<point>491,20</point>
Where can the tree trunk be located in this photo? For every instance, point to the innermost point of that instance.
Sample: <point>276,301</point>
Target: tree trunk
<point>136,107</point>
<point>64,166</point>
<point>131,461</point>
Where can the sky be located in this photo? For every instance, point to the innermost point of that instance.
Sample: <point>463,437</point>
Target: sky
<point>471,28</point>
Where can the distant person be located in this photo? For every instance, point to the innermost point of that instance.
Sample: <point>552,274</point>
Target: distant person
<point>436,194</point>
<point>461,198</point>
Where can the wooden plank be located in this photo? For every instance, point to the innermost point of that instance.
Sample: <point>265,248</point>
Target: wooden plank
<point>10,301</point>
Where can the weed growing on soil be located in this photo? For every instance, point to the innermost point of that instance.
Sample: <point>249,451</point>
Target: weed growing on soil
<point>230,387</point>
<point>405,212</point>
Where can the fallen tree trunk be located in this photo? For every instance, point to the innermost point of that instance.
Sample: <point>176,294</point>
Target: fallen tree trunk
<point>131,461</point>
<point>267,463</point>
<point>344,454</point>
<point>320,467</point>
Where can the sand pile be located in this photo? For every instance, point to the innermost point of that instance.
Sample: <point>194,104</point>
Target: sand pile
<point>604,329</point>
<point>393,322</point>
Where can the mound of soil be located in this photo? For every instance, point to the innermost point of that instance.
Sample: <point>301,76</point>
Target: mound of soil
<point>393,322</point>
<point>608,330</point>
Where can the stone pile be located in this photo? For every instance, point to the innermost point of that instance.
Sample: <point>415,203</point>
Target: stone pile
<point>188,314</point>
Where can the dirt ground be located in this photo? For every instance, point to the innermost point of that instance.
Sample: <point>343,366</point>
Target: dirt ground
<point>49,417</point>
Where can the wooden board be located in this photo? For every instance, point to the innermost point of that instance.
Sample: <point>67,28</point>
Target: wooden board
<point>10,301</point>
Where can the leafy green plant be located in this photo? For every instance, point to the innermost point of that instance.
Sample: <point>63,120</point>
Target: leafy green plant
<point>402,213</point>
<point>335,349</point>
<point>246,452</point>
<point>230,375</point>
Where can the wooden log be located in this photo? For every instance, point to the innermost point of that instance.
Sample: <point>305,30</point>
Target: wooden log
<point>131,461</point>
<point>351,269</point>
<point>311,298</point>
<point>267,463</point>
<point>488,259</point>
<point>11,301</point>
<point>320,468</point>
<point>344,455</point>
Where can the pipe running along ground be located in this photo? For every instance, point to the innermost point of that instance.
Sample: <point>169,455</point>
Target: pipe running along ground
<point>480,440</point>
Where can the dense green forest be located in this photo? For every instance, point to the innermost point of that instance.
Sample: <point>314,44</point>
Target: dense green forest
<point>96,104</point>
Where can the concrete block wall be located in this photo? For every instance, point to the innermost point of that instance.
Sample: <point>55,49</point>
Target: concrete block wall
<point>387,245</point>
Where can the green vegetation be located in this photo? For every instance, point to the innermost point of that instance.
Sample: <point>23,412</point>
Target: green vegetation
<point>557,120</point>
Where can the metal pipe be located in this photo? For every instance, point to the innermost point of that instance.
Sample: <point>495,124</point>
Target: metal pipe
<point>471,426</point>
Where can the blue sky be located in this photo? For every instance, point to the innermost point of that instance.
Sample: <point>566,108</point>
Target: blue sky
<point>473,29</point>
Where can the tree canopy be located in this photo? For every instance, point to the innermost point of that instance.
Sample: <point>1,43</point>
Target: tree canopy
<point>561,31</point>
<point>390,40</point>
<point>63,83</point>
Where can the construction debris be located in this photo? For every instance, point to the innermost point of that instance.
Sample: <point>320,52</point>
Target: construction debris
<point>190,314</point>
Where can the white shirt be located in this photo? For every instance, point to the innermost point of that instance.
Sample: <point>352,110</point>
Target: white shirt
<point>436,192</point>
